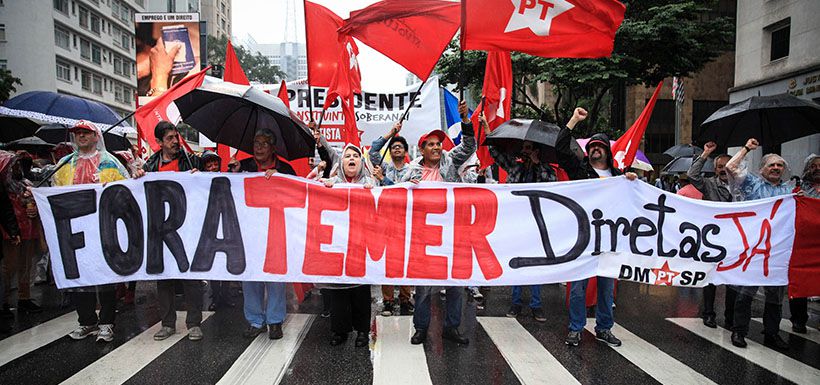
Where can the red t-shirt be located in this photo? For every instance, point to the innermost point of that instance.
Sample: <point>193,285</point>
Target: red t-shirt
<point>170,166</point>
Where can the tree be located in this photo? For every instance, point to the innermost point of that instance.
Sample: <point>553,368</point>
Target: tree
<point>8,84</point>
<point>657,39</point>
<point>257,67</point>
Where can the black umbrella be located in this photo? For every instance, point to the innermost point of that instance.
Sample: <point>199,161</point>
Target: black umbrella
<point>683,163</point>
<point>31,144</point>
<point>771,120</point>
<point>515,131</point>
<point>683,150</point>
<point>15,127</point>
<point>56,133</point>
<point>230,114</point>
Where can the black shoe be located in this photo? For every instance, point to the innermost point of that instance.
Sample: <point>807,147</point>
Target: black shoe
<point>252,332</point>
<point>387,308</point>
<point>538,314</point>
<point>338,339</point>
<point>362,339</point>
<point>797,328</point>
<point>606,336</point>
<point>573,338</point>
<point>775,342</point>
<point>419,336</point>
<point>452,334</point>
<point>6,312</point>
<point>275,331</point>
<point>29,306</point>
<point>738,340</point>
<point>709,321</point>
<point>514,311</point>
<point>406,308</point>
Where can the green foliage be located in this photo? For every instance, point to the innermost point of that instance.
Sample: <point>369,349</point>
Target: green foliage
<point>8,84</point>
<point>657,39</point>
<point>257,67</point>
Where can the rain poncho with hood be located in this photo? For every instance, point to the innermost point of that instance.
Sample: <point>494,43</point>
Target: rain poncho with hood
<point>363,176</point>
<point>20,197</point>
<point>97,166</point>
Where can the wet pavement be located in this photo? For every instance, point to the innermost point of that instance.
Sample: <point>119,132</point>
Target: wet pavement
<point>664,342</point>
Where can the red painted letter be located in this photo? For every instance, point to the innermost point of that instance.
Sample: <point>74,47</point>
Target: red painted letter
<point>420,264</point>
<point>318,262</point>
<point>472,234</point>
<point>275,194</point>
<point>377,231</point>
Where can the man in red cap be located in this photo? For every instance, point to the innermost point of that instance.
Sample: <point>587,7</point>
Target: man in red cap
<point>437,165</point>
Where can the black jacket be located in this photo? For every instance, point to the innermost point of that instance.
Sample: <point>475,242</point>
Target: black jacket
<point>187,162</point>
<point>249,165</point>
<point>576,168</point>
<point>7,218</point>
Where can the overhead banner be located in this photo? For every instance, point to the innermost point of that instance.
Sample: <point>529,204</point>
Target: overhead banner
<point>176,39</point>
<point>244,227</point>
<point>376,112</point>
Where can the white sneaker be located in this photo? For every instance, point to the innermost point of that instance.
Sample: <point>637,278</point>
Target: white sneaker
<point>84,331</point>
<point>106,333</point>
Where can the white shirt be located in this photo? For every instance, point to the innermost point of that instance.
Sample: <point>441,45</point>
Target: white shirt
<point>603,173</point>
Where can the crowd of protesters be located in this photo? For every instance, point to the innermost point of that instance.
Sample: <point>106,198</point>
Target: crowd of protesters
<point>85,160</point>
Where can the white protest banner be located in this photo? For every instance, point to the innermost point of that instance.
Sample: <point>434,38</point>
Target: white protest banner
<point>375,111</point>
<point>243,227</point>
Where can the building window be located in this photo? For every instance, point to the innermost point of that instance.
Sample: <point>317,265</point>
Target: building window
<point>4,64</point>
<point>63,71</point>
<point>61,5</point>
<point>2,32</point>
<point>97,85</point>
<point>96,54</point>
<point>83,17</point>
<point>223,7</point>
<point>85,49</point>
<point>86,81</point>
<point>125,13</point>
<point>95,23</point>
<point>780,41</point>
<point>62,38</point>
<point>118,92</point>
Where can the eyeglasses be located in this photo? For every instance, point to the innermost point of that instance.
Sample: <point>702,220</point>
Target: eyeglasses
<point>397,147</point>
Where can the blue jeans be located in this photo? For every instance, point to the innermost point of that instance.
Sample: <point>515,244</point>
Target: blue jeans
<point>421,316</point>
<point>578,308</point>
<point>535,296</point>
<point>259,312</point>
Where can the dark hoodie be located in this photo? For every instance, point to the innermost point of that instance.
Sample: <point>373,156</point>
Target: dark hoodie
<point>577,168</point>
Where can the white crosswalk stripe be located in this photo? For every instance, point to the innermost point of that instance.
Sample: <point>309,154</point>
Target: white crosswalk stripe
<point>529,360</point>
<point>265,360</point>
<point>652,360</point>
<point>771,360</point>
<point>395,360</point>
<point>812,334</point>
<point>34,338</point>
<point>125,361</point>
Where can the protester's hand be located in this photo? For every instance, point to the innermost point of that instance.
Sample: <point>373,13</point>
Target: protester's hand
<point>482,120</point>
<point>415,181</point>
<point>377,173</point>
<point>327,182</point>
<point>708,148</point>
<point>161,64</point>
<point>233,165</point>
<point>483,172</point>
<point>752,144</point>
<point>396,129</point>
<point>631,176</point>
<point>31,212</point>
<point>15,240</point>
<point>577,116</point>
<point>270,173</point>
<point>800,193</point>
<point>368,186</point>
<point>321,166</point>
<point>462,110</point>
<point>139,173</point>
<point>194,170</point>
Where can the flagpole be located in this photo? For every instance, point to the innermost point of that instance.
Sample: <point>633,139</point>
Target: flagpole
<point>461,50</point>
<point>307,57</point>
<point>403,116</point>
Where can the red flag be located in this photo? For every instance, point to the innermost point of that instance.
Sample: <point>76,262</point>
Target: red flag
<point>626,146</point>
<point>148,115</point>
<point>235,74</point>
<point>324,44</point>
<point>412,33</point>
<point>804,265</point>
<point>555,28</point>
<point>283,94</point>
<point>233,69</point>
<point>496,103</point>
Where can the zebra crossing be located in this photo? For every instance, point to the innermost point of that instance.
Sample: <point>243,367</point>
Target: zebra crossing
<point>657,348</point>
<point>395,361</point>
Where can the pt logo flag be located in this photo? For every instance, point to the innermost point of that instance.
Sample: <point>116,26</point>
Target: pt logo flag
<point>625,148</point>
<point>547,28</point>
<point>496,104</point>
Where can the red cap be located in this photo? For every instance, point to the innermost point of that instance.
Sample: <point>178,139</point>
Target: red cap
<point>441,135</point>
<point>83,125</point>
